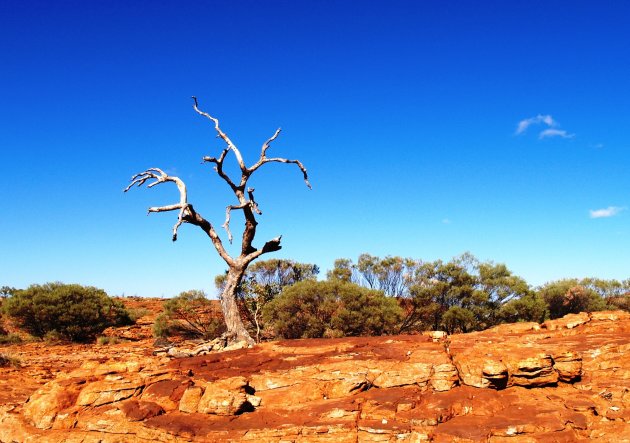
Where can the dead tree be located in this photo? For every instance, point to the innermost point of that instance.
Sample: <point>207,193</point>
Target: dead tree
<point>245,201</point>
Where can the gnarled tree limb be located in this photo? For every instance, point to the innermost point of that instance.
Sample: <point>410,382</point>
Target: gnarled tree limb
<point>299,164</point>
<point>252,202</point>
<point>187,214</point>
<point>226,224</point>
<point>223,135</point>
<point>219,167</point>
<point>161,177</point>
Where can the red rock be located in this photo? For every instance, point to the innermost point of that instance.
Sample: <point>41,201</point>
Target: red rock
<point>567,381</point>
<point>140,410</point>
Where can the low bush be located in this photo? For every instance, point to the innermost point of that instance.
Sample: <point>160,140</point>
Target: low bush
<point>137,313</point>
<point>10,339</point>
<point>620,302</point>
<point>71,312</point>
<point>190,314</point>
<point>103,340</point>
<point>570,297</point>
<point>332,308</point>
<point>7,360</point>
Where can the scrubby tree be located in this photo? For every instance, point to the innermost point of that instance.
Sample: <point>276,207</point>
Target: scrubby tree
<point>437,287</point>
<point>331,308</point>
<point>569,296</point>
<point>615,293</point>
<point>472,292</point>
<point>191,314</point>
<point>73,312</point>
<point>390,274</point>
<point>343,270</point>
<point>528,307</point>
<point>501,287</point>
<point>262,282</point>
<point>245,201</point>
<point>6,291</point>
<point>461,295</point>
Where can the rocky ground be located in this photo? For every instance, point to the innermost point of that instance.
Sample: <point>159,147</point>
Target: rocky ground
<point>566,380</point>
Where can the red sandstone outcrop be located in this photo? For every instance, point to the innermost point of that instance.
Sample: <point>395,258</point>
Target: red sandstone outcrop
<point>565,380</point>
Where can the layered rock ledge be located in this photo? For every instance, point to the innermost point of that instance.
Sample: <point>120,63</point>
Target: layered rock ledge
<point>565,380</point>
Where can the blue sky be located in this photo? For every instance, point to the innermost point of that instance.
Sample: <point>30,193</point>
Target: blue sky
<point>406,115</point>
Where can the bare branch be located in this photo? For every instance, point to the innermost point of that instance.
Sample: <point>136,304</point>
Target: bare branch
<point>226,225</point>
<point>270,246</point>
<point>266,145</point>
<point>264,159</point>
<point>219,167</point>
<point>219,160</point>
<point>283,160</point>
<point>252,202</point>
<point>164,208</point>
<point>186,212</point>
<point>223,135</point>
<point>161,177</point>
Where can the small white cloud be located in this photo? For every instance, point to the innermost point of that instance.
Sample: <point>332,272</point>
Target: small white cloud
<point>446,221</point>
<point>610,211</point>
<point>526,123</point>
<point>598,146</point>
<point>552,132</point>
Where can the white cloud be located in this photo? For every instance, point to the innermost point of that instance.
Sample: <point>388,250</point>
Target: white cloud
<point>552,132</point>
<point>526,123</point>
<point>610,211</point>
<point>446,221</point>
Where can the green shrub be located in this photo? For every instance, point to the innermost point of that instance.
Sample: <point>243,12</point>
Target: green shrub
<point>530,307</point>
<point>103,340</point>
<point>620,302</point>
<point>72,312</point>
<point>570,297</point>
<point>10,339</point>
<point>458,319</point>
<point>190,314</point>
<point>137,313</point>
<point>331,309</point>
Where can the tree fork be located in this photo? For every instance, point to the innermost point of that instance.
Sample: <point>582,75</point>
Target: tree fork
<point>236,330</point>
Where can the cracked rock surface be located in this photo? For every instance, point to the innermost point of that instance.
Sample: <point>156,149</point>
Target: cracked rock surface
<point>565,380</point>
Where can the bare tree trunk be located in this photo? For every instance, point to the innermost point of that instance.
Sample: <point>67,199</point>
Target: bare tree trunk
<point>235,328</point>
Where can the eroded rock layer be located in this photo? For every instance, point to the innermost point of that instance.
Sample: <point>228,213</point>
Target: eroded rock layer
<point>564,380</point>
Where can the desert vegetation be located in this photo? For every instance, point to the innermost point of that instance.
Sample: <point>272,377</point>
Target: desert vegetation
<point>190,314</point>
<point>375,296</point>
<point>281,298</point>
<point>390,295</point>
<point>331,308</point>
<point>65,311</point>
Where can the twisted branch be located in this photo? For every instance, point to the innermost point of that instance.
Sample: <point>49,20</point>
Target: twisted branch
<point>161,177</point>
<point>252,202</point>
<point>226,225</point>
<point>187,214</point>
<point>299,164</point>
<point>223,135</point>
<point>266,145</point>
<point>264,159</point>
<point>219,167</point>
